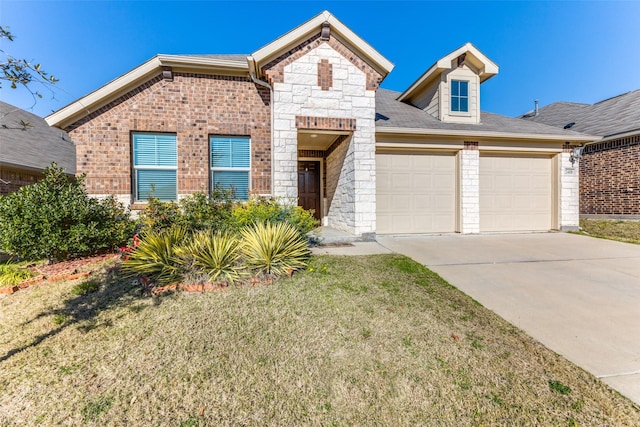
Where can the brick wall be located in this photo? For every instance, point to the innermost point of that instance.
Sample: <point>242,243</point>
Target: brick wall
<point>11,180</point>
<point>193,106</point>
<point>610,178</point>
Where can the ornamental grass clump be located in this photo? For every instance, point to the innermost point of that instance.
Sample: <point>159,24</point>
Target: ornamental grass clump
<point>216,254</point>
<point>158,256</point>
<point>274,249</point>
<point>13,273</point>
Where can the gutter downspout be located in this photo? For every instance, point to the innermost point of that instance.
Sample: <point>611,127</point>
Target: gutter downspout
<point>254,77</point>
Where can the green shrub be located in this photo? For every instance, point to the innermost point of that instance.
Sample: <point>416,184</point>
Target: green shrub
<point>194,212</point>
<point>157,257</point>
<point>216,254</point>
<point>269,210</point>
<point>57,220</point>
<point>274,248</point>
<point>12,273</point>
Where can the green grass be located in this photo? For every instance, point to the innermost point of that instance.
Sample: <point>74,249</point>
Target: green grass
<point>12,273</point>
<point>376,340</point>
<point>623,231</point>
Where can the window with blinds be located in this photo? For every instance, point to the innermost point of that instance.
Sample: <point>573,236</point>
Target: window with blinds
<point>155,161</point>
<point>231,164</point>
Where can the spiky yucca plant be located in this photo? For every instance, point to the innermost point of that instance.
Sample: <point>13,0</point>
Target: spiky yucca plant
<point>216,254</point>
<point>274,248</point>
<point>157,256</point>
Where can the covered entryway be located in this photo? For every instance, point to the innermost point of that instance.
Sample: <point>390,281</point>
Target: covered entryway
<point>415,192</point>
<point>516,193</point>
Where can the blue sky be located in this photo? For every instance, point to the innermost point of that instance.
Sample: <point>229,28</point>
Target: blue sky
<point>575,51</point>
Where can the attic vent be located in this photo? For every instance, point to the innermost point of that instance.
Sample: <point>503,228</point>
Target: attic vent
<point>324,34</point>
<point>167,74</point>
<point>569,125</point>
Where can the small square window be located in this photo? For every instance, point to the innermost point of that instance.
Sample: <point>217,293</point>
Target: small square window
<point>460,96</point>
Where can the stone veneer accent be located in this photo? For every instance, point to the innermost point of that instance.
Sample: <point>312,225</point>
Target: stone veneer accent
<point>569,189</point>
<point>610,178</point>
<point>298,99</point>
<point>469,161</point>
<point>275,69</point>
<point>193,106</point>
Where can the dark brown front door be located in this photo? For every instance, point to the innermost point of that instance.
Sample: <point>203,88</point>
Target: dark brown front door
<point>309,186</point>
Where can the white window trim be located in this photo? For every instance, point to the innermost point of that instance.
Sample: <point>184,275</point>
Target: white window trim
<point>468,97</point>
<point>212,169</point>
<point>134,180</point>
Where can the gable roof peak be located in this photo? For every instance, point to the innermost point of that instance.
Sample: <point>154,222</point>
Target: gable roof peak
<point>303,32</point>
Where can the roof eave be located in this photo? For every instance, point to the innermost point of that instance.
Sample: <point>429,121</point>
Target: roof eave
<point>484,134</point>
<point>117,87</point>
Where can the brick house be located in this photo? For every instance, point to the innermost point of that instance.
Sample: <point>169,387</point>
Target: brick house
<point>610,166</point>
<point>303,119</point>
<point>27,146</point>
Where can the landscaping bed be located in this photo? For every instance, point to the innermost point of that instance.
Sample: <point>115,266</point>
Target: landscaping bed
<point>376,340</point>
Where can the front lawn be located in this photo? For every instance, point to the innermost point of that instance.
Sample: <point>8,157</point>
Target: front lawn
<point>375,340</point>
<point>623,231</point>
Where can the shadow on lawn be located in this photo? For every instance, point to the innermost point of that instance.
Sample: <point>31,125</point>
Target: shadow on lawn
<point>115,290</point>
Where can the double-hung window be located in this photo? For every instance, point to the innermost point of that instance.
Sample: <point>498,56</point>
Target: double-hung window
<point>460,96</point>
<point>231,164</point>
<point>155,164</point>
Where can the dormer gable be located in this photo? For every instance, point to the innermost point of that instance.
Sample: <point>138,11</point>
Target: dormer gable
<point>450,89</point>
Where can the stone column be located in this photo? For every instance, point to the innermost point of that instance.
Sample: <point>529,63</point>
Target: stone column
<point>470,188</point>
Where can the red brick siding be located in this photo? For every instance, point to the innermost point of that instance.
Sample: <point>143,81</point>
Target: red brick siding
<point>610,178</point>
<point>11,180</point>
<point>325,123</point>
<point>193,106</point>
<point>325,74</point>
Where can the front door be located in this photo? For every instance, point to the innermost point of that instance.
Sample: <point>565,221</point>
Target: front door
<point>309,186</point>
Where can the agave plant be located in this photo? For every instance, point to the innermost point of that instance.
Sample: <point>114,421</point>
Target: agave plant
<point>274,248</point>
<point>157,256</point>
<point>216,254</point>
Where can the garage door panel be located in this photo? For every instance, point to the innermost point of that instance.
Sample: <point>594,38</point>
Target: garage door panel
<point>416,193</point>
<point>515,193</point>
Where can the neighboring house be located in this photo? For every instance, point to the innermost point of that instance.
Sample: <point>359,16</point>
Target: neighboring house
<point>303,119</point>
<point>609,167</point>
<point>27,146</point>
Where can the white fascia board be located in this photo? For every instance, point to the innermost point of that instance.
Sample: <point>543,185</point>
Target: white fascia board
<point>619,135</point>
<point>115,88</point>
<point>483,134</point>
<point>302,32</point>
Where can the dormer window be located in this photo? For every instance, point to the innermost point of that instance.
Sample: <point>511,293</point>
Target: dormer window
<point>460,96</point>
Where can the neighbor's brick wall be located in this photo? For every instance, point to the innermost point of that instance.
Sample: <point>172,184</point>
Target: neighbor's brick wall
<point>193,106</point>
<point>610,178</point>
<point>11,180</point>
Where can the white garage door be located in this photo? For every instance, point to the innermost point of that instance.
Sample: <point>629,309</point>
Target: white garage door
<point>415,193</point>
<point>515,193</point>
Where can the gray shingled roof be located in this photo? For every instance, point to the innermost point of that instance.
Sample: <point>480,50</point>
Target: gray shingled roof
<point>393,113</point>
<point>36,146</point>
<point>619,114</point>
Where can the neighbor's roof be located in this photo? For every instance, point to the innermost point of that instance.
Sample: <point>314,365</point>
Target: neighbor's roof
<point>35,146</point>
<point>613,116</point>
<point>393,116</point>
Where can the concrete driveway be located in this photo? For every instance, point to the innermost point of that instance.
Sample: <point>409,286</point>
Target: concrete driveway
<point>578,295</point>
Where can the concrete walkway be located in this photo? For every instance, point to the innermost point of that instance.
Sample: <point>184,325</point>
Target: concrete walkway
<point>578,295</point>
